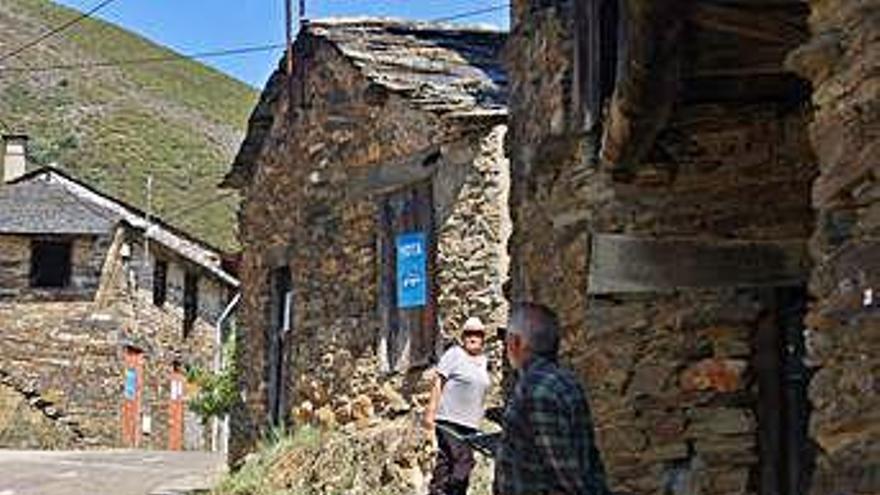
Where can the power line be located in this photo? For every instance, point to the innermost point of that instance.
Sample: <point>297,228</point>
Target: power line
<point>56,30</point>
<point>178,57</point>
<point>219,53</point>
<point>473,13</point>
<point>182,212</point>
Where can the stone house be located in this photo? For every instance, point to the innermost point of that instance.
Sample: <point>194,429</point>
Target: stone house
<point>705,222</point>
<point>98,334</point>
<point>374,218</point>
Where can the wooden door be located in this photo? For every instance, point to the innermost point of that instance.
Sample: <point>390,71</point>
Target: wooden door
<point>409,330</point>
<point>176,399</point>
<point>133,384</point>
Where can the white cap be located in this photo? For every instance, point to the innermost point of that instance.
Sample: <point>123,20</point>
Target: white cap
<point>474,324</point>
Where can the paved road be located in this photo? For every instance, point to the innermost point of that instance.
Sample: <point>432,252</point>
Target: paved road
<point>118,472</point>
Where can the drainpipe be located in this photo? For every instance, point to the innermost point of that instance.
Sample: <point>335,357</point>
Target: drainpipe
<point>220,428</point>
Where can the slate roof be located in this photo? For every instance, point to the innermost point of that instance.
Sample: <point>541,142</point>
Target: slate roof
<point>446,69</point>
<point>43,206</point>
<point>49,201</point>
<point>438,67</point>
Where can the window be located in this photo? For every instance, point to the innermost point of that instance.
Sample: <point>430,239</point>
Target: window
<point>50,264</point>
<point>190,302</point>
<point>282,295</point>
<point>280,313</point>
<point>160,282</point>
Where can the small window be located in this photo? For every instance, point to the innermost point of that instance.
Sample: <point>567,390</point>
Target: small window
<point>160,283</point>
<point>190,302</point>
<point>282,298</point>
<point>50,264</point>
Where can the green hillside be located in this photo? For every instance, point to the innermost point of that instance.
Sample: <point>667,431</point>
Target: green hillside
<point>112,126</point>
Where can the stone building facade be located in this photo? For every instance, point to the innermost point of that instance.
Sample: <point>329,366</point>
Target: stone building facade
<point>384,145</point>
<point>663,158</point>
<point>96,338</point>
<point>841,60</point>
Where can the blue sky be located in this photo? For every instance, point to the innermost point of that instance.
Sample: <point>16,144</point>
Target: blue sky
<point>189,26</point>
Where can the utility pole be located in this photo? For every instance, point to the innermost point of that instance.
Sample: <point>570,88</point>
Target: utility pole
<point>288,26</point>
<point>149,215</point>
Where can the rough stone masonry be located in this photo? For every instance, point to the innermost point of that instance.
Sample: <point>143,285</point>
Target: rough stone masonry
<point>682,172</point>
<point>384,129</point>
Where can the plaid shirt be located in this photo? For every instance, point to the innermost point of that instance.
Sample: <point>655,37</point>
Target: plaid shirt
<point>547,446</point>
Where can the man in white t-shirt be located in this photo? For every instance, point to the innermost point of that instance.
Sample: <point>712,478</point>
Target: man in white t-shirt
<point>457,405</point>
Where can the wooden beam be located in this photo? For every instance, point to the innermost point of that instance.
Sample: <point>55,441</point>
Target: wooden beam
<point>629,264</point>
<point>417,167</point>
<point>595,46</point>
<point>647,79</point>
<point>761,24</point>
<point>713,53</point>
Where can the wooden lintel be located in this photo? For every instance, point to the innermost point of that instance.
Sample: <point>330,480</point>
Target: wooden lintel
<point>412,169</point>
<point>629,264</point>
<point>393,175</point>
<point>753,23</point>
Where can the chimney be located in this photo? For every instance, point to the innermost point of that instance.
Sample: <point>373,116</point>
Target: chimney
<point>14,156</point>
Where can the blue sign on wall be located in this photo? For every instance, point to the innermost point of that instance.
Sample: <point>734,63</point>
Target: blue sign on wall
<point>412,270</point>
<point>130,383</point>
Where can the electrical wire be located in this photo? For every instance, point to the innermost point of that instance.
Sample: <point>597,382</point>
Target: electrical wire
<point>472,13</point>
<point>56,30</point>
<point>183,212</point>
<point>178,57</point>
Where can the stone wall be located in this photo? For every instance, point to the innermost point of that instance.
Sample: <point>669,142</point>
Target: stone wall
<point>472,238</point>
<point>681,378</point>
<point>307,207</point>
<point>87,256</point>
<point>62,361</point>
<point>844,322</point>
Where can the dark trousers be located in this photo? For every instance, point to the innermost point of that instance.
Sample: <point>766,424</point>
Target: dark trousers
<point>455,461</point>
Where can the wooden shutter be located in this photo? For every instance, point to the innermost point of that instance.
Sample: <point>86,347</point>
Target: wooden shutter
<point>409,333</point>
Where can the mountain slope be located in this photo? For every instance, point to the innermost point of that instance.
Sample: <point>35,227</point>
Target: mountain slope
<point>113,126</point>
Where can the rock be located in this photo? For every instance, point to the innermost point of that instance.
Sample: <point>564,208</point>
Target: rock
<point>649,379</point>
<point>721,375</point>
<point>326,418</point>
<point>304,413</point>
<point>344,413</point>
<point>394,401</point>
<point>362,410</point>
<point>720,421</point>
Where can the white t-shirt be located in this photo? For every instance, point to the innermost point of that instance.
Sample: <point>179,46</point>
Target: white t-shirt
<point>467,380</point>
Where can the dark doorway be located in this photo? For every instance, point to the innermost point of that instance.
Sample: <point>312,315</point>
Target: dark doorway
<point>190,303</point>
<point>50,263</point>
<point>280,326</point>
<point>160,283</point>
<point>786,453</point>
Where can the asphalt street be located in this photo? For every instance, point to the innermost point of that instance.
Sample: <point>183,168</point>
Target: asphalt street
<point>116,472</point>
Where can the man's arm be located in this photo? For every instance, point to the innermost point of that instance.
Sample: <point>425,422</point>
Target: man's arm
<point>553,429</point>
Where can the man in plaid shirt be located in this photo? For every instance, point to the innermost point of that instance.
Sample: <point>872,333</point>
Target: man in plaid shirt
<point>547,447</point>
